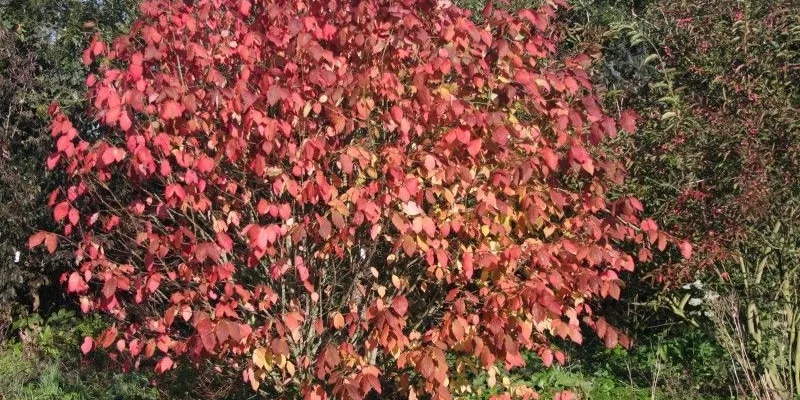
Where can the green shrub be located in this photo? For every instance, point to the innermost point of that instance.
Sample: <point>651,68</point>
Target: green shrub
<point>715,160</point>
<point>38,41</point>
<point>44,364</point>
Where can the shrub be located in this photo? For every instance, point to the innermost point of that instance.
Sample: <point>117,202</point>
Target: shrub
<point>38,41</point>
<point>335,198</point>
<point>43,365</point>
<point>715,159</point>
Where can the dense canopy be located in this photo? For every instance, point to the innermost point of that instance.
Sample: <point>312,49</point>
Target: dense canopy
<point>336,197</point>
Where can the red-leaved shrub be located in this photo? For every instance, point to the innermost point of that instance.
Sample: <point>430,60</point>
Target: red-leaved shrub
<point>336,197</point>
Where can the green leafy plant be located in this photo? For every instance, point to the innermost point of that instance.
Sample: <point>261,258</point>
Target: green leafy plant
<point>42,364</point>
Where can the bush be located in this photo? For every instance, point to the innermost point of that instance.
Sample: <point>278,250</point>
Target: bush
<point>714,160</point>
<point>38,41</point>
<point>43,364</point>
<point>387,200</point>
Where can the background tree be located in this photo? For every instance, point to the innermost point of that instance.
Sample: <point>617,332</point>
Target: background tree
<point>38,41</point>
<point>713,161</point>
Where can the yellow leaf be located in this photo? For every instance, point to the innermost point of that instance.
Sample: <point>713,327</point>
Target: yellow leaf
<point>396,282</point>
<point>280,360</point>
<point>443,92</point>
<point>448,195</point>
<point>274,171</point>
<point>260,357</point>
<point>290,368</point>
<point>492,380</point>
<point>422,244</point>
<point>338,320</point>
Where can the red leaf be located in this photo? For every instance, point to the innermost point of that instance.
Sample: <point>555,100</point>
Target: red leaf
<point>571,84</point>
<point>466,264</point>
<point>302,270</point>
<point>547,357</point>
<point>110,287</point>
<point>61,210</point>
<point>52,160</point>
<point>225,241</point>
<point>186,313</point>
<point>36,239</point>
<point>324,227</point>
<point>429,226</point>
<point>649,226</point>
<point>258,237</point>
<point>315,393</point>
<point>164,365</point>
<point>400,305</point>
<point>87,57</point>
<point>550,158</point>
<point>560,357</point>
<point>628,121</point>
<point>244,7</point>
<point>293,321</point>
<point>337,321</point>
<point>153,282</point>
<point>686,249</point>
<point>97,47</point>
<point>112,223</point>
<point>563,395</point>
<point>207,250</point>
<point>397,113</point>
<point>430,162</point>
<point>222,331</point>
<point>275,94</point>
<point>112,154</point>
<point>462,135</point>
<point>174,190</point>
<point>425,367</point>
<point>579,154</point>
<point>204,164</point>
<point>76,284</point>
<point>636,204</point>
<point>125,121</point>
<point>474,147</point>
<point>409,246</point>
<point>614,290</point>
<point>88,345</point>
<point>51,242</point>
<point>171,109</point>
<point>611,338</point>
<point>74,216</point>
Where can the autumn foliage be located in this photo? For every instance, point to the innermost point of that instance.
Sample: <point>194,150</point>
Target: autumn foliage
<point>338,197</point>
